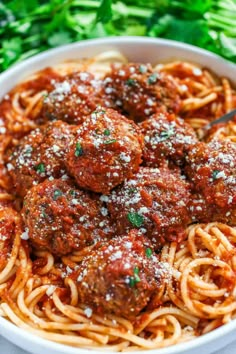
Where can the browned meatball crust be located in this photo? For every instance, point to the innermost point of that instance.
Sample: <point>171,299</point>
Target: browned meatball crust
<point>212,171</point>
<point>137,91</point>
<point>73,98</point>
<point>62,218</point>
<point>155,201</point>
<point>120,277</point>
<point>39,155</point>
<point>166,137</point>
<point>107,149</point>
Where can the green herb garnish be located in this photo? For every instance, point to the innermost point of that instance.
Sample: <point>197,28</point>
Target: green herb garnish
<point>152,79</point>
<point>107,132</point>
<point>29,27</point>
<point>111,141</point>
<point>57,193</point>
<point>148,252</point>
<point>215,174</point>
<point>40,168</point>
<point>166,134</point>
<point>130,82</point>
<point>135,219</point>
<point>135,278</point>
<point>78,149</point>
<point>132,190</point>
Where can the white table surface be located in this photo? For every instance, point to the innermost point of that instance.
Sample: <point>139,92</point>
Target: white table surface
<point>8,348</point>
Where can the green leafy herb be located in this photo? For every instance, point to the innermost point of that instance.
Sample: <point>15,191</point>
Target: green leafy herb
<point>59,38</point>
<point>28,151</point>
<point>142,69</point>
<point>148,252</point>
<point>215,174</point>
<point>107,132</point>
<point>132,190</point>
<point>72,192</point>
<point>135,278</point>
<point>166,134</point>
<point>104,12</point>
<point>78,149</point>
<point>57,193</point>
<point>29,27</point>
<point>135,219</point>
<point>40,168</point>
<point>111,141</point>
<point>43,214</point>
<point>152,78</point>
<point>130,82</point>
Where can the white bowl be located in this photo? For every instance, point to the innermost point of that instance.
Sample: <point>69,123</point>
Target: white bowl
<point>139,49</point>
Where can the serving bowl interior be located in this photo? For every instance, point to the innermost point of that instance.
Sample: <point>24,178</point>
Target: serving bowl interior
<point>136,50</point>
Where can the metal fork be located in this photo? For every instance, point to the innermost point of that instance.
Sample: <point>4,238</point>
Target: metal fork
<point>223,119</point>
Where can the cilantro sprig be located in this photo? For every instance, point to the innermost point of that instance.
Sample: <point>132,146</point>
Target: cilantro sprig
<point>29,27</point>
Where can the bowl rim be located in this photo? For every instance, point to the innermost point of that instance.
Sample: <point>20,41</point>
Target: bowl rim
<point>114,40</point>
<point>23,334</point>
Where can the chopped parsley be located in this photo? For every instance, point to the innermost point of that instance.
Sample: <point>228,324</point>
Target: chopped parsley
<point>152,78</point>
<point>132,190</point>
<point>78,149</point>
<point>40,168</point>
<point>72,192</point>
<point>107,132</point>
<point>215,174</point>
<point>130,82</point>
<point>166,134</point>
<point>57,193</point>
<point>43,214</point>
<point>28,151</point>
<point>135,219</point>
<point>142,69</point>
<point>100,112</point>
<point>135,278</point>
<point>148,252</point>
<point>111,141</point>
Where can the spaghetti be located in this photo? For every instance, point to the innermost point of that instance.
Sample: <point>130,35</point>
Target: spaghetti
<point>36,290</point>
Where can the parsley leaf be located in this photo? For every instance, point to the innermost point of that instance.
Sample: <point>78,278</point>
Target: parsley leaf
<point>107,132</point>
<point>152,78</point>
<point>215,174</point>
<point>166,134</point>
<point>130,82</point>
<point>104,12</point>
<point>57,193</point>
<point>111,141</point>
<point>59,38</point>
<point>78,149</point>
<point>12,49</point>
<point>135,219</point>
<point>135,278</point>
<point>148,252</point>
<point>40,168</point>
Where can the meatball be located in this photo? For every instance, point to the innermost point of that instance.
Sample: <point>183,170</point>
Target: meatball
<point>39,155</point>
<point>139,92</point>
<point>61,218</point>
<point>72,99</point>
<point>120,276</point>
<point>154,201</point>
<point>166,137</point>
<point>212,171</point>
<point>107,149</point>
